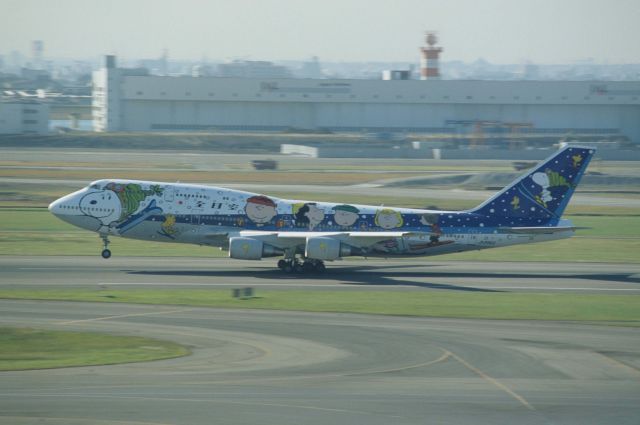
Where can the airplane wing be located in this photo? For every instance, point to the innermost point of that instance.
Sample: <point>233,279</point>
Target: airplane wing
<point>357,239</point>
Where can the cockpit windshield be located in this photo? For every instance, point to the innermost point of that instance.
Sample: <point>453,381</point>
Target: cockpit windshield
<point>96,185</point>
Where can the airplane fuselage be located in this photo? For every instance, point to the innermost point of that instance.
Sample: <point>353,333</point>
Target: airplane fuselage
<point>253,226</point>
<point>205,215</point>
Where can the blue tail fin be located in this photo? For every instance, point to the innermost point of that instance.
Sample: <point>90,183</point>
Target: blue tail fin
<point>539,197</point>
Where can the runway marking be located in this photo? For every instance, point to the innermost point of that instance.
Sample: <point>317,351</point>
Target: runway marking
<point>196,400</point>
<point>633,370</point>
<point>546,288</point>
<point>120,316</point>
<point>40,268</point>
<point>266,351</point>
<point>347,285</point>
<point>493,381</point>
<point>445,355</point>
<point>80,421</point>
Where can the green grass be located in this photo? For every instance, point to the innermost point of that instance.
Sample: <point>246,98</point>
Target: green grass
<point>619,309</point>
<point>25,348</point>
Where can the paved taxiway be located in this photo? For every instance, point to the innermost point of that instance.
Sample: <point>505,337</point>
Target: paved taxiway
<point>268,367</point>
<point>418,274</point>
<point>258,367</point>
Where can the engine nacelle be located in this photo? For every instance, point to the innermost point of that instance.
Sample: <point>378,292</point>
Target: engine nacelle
<point>251,249</point>
<point>326,248</point>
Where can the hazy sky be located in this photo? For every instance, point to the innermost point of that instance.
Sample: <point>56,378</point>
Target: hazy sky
<point>500,31</point>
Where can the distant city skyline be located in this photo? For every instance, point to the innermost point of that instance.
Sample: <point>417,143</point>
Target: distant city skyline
<point>499,31</point>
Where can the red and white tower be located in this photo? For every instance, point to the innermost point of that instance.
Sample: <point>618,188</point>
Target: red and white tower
<point>429,62</point>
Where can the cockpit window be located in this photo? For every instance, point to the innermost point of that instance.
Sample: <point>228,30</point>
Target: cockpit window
<point>95,186</point>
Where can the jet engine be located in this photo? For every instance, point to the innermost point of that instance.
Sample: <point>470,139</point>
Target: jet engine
<point>325,248</point>
<point>251,249</point>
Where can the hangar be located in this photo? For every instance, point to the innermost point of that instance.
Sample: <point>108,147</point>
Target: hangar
<point>130,100</point>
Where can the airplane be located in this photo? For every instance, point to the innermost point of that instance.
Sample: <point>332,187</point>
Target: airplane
<point>305,234</point>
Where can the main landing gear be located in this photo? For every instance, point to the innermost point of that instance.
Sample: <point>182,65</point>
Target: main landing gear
<point>106,252</point>
<point>306,265</point>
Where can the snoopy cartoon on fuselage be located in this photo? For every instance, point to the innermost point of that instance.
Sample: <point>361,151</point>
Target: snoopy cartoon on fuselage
<point>103,205</point>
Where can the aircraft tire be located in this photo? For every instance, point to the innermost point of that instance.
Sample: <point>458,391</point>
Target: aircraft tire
<point>288,267</point>
<point>298,268</point>
<point>282,264</point>
<point>106,253</point>
<point>320,267</point>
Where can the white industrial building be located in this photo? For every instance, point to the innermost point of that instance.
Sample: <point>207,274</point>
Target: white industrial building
<point>24,117</point>
<point>125,102</point>
<point>252,69</point>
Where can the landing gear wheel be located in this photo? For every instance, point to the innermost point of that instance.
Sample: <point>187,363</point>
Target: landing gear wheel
<point>106,252</point>
<point>320,267</point>
<point>298,268</point>
<point>308,267</point>
<point>282,264</point>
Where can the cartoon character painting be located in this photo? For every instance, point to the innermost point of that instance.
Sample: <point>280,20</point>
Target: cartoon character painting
<point>103,205</point>
<point>388,218</point>
<point>515,203</point>
<point>260,209</point>
<point>308,215</point>
<point>542,179</point>
<point>577,160</point>
<point>548,179</point>
<point>167,228</point>
<point>131,195</point>
<point>345,215</point>
<point>115,205</point>
<point>432,220</point>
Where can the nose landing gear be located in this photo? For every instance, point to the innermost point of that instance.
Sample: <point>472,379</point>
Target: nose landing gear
<point>106,252</point>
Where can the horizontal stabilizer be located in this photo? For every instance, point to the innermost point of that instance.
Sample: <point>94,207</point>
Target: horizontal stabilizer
<point>537,230</point>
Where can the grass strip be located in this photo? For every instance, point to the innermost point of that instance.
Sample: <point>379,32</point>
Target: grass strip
<point>623,309</point>
<point>26,348</point>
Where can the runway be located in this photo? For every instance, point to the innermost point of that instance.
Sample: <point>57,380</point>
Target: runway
<point>270,367</point>
<point>255,367</point>
<point>351,275</point>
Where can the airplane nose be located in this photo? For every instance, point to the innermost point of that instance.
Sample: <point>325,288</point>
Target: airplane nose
<point>54,206</point>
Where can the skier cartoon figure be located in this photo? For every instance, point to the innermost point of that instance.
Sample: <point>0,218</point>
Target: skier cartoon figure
<point>432,220</point>
<point>542,179</point>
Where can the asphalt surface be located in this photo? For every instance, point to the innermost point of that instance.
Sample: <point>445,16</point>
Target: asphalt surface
<point>269,367</point>
<point>355,275</point>
<point>256,367</point>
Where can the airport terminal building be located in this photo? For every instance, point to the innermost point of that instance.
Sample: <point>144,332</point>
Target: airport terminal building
<point>127,100</point>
